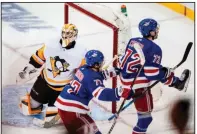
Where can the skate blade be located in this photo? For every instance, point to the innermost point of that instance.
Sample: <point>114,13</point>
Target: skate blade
<point>187,83</point>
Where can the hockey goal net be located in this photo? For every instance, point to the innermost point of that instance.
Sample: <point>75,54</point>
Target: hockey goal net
<point>102,27</point>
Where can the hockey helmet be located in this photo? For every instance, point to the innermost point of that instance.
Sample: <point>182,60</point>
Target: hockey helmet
<point>148,25</point>
<point>69,34</point>
<point>94,57</point>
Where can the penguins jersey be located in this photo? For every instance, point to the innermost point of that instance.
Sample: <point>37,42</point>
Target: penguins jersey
<point>86,84</point>
<point>58,63</point>
<point>130,63</point>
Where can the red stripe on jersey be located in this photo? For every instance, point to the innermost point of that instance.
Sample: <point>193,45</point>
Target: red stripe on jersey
<point>151,70</point>
<point>138,132</point>
<point>136,82</point>
<point>96,93</point>
<point>71,104</point>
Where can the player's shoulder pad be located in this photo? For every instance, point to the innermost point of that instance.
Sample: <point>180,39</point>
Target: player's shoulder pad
<point>137,40</point>
<point>145,42</point>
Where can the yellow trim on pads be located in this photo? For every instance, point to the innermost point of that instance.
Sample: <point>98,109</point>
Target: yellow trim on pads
<point>179,8</point>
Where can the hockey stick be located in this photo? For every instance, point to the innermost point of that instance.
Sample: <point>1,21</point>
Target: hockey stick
<point>188,48</point>
<point>106,66</point>
<point>52,122</point>
<point>142,61</point>
<point>48,124</point>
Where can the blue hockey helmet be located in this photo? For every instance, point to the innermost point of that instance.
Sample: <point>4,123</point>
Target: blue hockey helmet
<point>93,57</point>
<point>147,25</point>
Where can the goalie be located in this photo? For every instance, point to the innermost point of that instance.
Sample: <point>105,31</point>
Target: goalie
<point>58,59</point>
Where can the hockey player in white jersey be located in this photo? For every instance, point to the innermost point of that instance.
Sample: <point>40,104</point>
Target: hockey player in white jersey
<point>58,58</point>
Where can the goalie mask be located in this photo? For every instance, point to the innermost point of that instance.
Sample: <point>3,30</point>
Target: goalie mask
<point>69,34</point>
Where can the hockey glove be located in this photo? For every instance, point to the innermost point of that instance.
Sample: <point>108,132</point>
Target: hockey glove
<point>28,70</point>
<point>28,73</point>
<point>118,92</point>
<point>111,72</point>
<point>168,72</point>
<point>168,77</point>
<point>127,94</point>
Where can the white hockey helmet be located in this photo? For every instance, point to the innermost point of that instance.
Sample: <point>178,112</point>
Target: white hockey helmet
<point>69,34</point>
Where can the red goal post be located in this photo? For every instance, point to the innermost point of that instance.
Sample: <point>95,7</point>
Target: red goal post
<point>117,40</point>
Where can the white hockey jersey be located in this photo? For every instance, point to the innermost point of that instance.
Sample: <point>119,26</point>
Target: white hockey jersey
<point>58,63</point>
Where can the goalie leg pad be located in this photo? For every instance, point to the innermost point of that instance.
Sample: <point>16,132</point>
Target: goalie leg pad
<point>144,121</point>
<point>25,106</point>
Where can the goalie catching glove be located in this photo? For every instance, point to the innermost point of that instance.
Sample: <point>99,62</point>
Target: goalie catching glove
<point>27,73</point>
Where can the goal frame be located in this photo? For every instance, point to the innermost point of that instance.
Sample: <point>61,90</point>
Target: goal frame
<point>104,22</point>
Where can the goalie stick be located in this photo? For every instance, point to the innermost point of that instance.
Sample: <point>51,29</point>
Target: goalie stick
<point>142,61</point>
<point>188,48</point>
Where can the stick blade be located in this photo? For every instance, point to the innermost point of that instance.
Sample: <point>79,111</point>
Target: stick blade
<point>189,46</point>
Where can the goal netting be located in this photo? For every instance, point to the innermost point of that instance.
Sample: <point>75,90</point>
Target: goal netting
<point>106,28</point>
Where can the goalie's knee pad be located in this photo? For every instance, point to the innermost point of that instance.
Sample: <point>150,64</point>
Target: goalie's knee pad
<point>25,106</point>
<point>144,121</point>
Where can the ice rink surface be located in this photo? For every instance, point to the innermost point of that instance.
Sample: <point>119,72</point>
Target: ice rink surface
<point>41,22</point>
